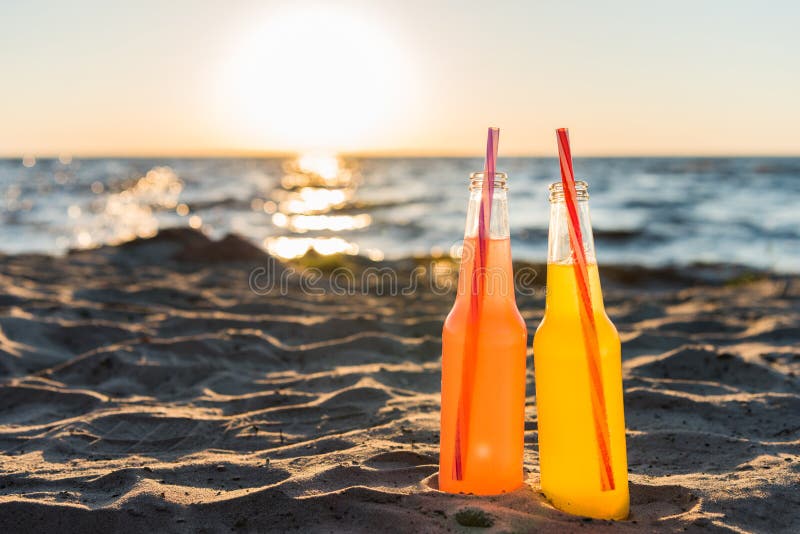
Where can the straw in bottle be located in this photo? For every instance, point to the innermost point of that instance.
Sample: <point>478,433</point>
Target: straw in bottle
<point>475,297</point>
<point>588,326</point>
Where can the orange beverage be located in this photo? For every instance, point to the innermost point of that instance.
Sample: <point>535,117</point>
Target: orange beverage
<point>493,409</point>
<point>569,462</point>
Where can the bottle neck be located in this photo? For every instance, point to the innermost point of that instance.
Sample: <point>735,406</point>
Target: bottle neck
<point>498,221</point>
<point>559,248</point>
<point>496,275</point>
<point>562,289</point>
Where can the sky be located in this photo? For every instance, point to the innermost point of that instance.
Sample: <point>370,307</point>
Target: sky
<point>97,78</point>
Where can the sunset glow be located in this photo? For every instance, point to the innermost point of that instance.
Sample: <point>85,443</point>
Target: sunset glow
<point>397,78</point>
<point>315,79</point>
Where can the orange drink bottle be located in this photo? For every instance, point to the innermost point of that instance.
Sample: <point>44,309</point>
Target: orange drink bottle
<point>483,358</point>
<point>583,466</point>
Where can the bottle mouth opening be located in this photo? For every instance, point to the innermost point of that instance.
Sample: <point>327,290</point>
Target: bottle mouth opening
<point>557,191</point>
<point>476,180</point>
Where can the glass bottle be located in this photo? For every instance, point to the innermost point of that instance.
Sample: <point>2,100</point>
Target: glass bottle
<point>483,404</point>
<point>569,458</point>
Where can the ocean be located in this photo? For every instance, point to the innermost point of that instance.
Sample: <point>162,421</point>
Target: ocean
<point>645,211</point>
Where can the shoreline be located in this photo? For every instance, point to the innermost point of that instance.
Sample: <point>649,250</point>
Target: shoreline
<point>189,244</point>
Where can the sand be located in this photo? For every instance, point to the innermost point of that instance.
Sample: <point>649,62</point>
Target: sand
<point>147,388</point>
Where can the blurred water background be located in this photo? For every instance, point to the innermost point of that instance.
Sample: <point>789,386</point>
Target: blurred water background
<point>648,211</point>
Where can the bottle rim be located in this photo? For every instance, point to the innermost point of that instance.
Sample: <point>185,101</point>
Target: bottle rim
<point>476,180</point>
<point>557,191</point>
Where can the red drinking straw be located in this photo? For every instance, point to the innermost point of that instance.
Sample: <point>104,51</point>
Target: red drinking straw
<point>475,296</point>
<point>587,316</point>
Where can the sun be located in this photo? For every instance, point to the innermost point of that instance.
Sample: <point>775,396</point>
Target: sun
<point>321,79</point>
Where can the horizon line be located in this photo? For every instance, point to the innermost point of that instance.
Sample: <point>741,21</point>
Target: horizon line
<point>376,154</point>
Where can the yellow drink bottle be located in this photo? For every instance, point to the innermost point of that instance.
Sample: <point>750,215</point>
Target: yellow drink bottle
<point>569,461</point>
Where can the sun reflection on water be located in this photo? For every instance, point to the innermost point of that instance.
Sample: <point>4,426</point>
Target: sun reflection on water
<point>325,165</point>
<point>295,247</point>
<point>313,209</point>
<point>336,223</point>
<point>314,200</point>
<point>314,187</point>
<point>129,213</point>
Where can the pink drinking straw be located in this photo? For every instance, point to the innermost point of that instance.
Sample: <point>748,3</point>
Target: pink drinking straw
<point>475,297</point>
<point>588,325</point>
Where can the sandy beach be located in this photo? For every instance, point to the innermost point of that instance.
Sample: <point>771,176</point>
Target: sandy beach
<point>147,387</point>
<point>230,240</point>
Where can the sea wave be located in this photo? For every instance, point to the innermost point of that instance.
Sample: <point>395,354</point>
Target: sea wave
<point>652,211</point>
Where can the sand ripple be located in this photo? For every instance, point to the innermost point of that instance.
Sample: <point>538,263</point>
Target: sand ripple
<point>145,393</point>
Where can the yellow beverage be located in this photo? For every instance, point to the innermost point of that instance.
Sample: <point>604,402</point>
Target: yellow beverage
<point>569,461</point>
